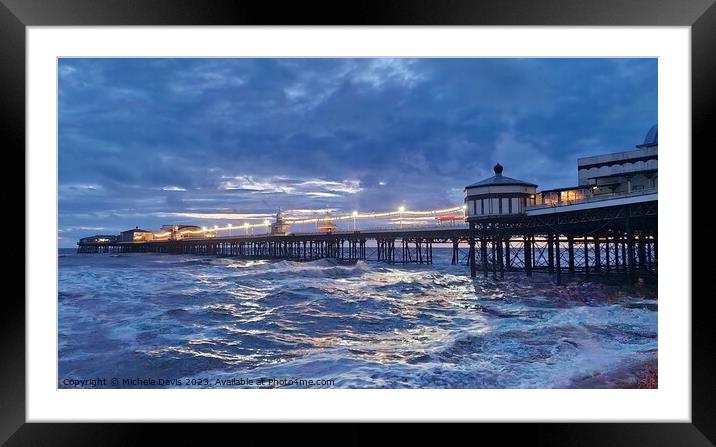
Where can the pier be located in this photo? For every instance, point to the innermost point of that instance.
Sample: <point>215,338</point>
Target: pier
<point>616,235</point>
<point>606,224</point>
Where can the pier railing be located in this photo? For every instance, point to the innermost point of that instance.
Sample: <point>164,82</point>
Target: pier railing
<point>595,198</point>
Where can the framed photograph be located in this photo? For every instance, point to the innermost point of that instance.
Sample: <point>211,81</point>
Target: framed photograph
<point>414,215</point>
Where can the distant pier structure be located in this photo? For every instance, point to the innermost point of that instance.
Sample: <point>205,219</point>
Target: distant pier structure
<point>607,223</point>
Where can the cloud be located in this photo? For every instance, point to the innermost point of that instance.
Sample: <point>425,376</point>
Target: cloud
<point>285,185</point>
<point>347,186</point>
<point>206,76</point>
<point>151,141</point>
<point>66,70</point>
<point>249,183</point>
<point>216,216</point>
<point>381,72</point>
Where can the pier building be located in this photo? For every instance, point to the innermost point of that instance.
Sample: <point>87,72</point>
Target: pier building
<point>175,232</point>
<point>498,195</point>
<point>136,234</point>
<point>622,172</point>
<point>279,226</point>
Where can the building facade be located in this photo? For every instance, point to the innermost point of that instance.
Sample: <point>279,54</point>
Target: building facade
<point>136,235</point>
<point>599,177</point>
<point>622,172</point>
<point>279,226</point>
<point>498,195</point>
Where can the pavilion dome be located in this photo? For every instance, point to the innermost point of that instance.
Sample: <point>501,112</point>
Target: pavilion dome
<point>499,179</point>
<point>652,137</point>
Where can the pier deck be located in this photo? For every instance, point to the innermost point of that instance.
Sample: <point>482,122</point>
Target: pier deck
<point>617,235</point>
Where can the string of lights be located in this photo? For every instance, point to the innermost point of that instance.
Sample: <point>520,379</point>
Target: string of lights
<point>400,213</point>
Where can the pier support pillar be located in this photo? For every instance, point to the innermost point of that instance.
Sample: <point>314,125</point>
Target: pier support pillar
<point>507,253</point>
<point>630,246</point>
<point>483,255</point>
<point>558,266</point>
<point>641,250</point>
<point>528,255</point>
<point>494,260</point>
<point>473,267</point>
<point>597,255</point>
<point>500,256</point>
<point>586,256</point>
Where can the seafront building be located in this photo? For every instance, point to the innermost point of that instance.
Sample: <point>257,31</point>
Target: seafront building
<point>605,176</point>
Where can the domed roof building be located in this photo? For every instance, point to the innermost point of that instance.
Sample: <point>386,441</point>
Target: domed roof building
<point>623,172</point>
<point>498,195</point>
<point>652,137</point>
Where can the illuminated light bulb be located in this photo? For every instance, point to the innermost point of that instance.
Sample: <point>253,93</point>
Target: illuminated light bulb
<point>401,209</point>
<point>355,213</point>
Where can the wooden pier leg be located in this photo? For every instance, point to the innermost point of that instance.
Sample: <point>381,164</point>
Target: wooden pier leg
<point>471,257</point>
<point>455,252</point>
<point>607,257</point>
<point>570,254</point>
<point>483,255</point>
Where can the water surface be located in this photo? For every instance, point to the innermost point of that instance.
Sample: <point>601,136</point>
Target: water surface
<point>368,325</point>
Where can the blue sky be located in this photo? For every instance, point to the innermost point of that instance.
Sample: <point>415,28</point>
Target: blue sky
<point>145,142</point>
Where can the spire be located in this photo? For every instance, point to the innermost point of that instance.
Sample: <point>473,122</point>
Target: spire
<point>498,169</point>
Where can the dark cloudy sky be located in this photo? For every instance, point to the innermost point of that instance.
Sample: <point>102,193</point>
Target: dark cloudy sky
<point>210,141</point>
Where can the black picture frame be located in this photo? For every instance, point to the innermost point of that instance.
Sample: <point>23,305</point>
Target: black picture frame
<point>700,15</point>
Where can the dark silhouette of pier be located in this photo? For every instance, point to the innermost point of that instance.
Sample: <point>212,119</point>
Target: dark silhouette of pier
<point>609,236</point>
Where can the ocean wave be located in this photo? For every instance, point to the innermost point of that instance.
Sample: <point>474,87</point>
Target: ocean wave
<point>363,324</point>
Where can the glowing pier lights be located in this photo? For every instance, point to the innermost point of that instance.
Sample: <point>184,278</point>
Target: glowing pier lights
<point>400,213</point>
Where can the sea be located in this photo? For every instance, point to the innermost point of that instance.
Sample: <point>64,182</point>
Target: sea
<point>146,320</point>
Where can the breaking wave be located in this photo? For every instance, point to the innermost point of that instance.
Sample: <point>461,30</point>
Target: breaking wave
<point>365,325</point>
